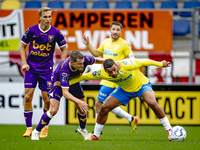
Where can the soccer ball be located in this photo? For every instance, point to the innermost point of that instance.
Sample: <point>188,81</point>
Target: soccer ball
<point>177,134</point>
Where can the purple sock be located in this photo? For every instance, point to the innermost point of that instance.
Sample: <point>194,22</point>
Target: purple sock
<point>28,118</point>
<point>43,121</point>
<point>82,120</point>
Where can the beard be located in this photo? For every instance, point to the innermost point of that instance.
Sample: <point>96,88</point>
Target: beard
<point>115,37</point>
<point>114,76</point>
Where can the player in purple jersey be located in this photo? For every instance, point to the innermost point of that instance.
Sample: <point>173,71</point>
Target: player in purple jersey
<point>39,64</point>
<point>69,68</point>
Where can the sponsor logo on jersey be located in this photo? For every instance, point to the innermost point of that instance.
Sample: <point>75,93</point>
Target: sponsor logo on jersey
<point>124,62</point>
<point>116,46</point>
<point>63,79</point>
<point>103,94</point>
<point>39,54</point>
<point>96,73</point>
<point>122,79</point>
<point>108,52</point>
<point>64,74</point>
<point>50,38</point>
<point>41,46</point>
<point>121,72</point>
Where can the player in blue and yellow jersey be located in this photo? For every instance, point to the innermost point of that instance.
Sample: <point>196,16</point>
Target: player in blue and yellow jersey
<point>132,83</point>
<point>38,66</point>
<point>69,68</point>
<point>117,49</point>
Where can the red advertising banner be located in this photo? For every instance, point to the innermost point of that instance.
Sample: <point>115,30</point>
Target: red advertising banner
<point>145,30</point>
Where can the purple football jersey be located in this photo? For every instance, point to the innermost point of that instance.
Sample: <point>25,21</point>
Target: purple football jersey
<point>63,72</point>
<point>41,47</point>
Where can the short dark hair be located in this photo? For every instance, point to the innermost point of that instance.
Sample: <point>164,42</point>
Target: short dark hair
<point>108,63</point>
<point>116,23</point>
<point>74,55</point>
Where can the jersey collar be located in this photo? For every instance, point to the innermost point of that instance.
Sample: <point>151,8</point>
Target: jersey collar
<point>42,30</point>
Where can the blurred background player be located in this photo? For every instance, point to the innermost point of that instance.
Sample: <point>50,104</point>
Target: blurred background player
<point>118,49</point>
<point>131,84</point>
<point>69,68</point>
<point>38,66</point>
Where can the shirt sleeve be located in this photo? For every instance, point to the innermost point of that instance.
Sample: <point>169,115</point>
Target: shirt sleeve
<point>89,60</point>
<point>60,39</point>
<point>101,48</point>
<point>148,62</point>
<point>132,63</point>
<point>27,36</point>
<point>64,78</point>
<point>127,50</point>
<point>94,75</point>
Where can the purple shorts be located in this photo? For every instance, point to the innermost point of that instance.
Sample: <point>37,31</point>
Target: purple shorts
<point>75,89</point>
<point>44,80</point>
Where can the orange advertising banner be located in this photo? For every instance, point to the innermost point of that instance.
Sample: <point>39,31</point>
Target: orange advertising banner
<point>144,30</point>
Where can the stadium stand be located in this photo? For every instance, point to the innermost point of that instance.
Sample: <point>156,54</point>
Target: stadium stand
<point>123,4</point>
<point>179,42</point>
<point>181,27</point>
<point>10,4</point>
<point>55,4</point>
<point>188,5</point>
<point>169,4</point>
<point>101,4</point>
<point>78,4</point>
<point>33,4</point>
<point>147,4</point>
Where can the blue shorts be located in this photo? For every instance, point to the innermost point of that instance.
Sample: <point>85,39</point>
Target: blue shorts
<point>75,89</point>
<point>124,97</point>
<point>104,92</point>
<point>44,80</point>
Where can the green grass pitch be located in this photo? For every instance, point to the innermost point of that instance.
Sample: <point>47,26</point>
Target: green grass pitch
<point>115,137</point>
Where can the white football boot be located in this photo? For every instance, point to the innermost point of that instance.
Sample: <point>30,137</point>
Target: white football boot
<point>83,132</point>
<point>35,135</point>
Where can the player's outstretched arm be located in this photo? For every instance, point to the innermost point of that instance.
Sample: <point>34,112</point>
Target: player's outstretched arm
<point>166,63</point>
<point>92,50</point>
<point>82,104</point>
<point>76,80</point>
<point>94,75</point>
<point>149,62</point>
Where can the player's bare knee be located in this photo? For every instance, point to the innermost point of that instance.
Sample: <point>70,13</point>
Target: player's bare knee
<point>152,104</point>
<point>27,99</point>
<point>105,109</point>
<point>98,104</point>
<point>46,101</point>
<point>53,112</point>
